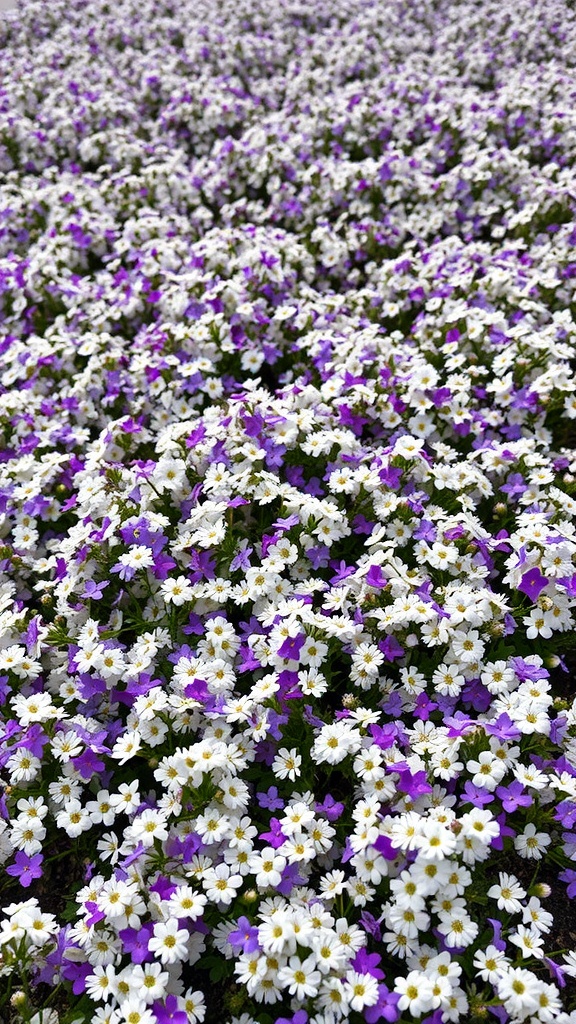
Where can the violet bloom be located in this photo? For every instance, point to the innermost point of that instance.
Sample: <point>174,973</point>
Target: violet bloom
<point>391,649</point>
<point>300,1017</point>
<point>168,1012</point>
<point>385,1009</point>
<point>291,877</point>
<point>513,796</point>
<point>275,837</point>
<point>135,943</point>
<point>525,670</point>
<point>331,808</point>
<point>367,963</point>
<point>361,525</point>
<point>569,877</point>
<point>245,937</point>
<point>370,925</point>
<point>270,800</point>
<point>533,583</point>
<point>375,577</point>
<point>94,590</point>
<point>26,868</point>
<point>476,796</point>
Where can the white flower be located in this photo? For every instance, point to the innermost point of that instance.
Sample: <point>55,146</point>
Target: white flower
<point>519,989</point>
<point>360,990</point>
<point>267,865</point>
<point>535,915</point>
<point>127,798</point>
<point>221,884</point>
<point>126,746</point>
<point>100,984</point>
<point>458,928</point>
<point>467,646</point>
<point>335,742</point>
<point>490,963</point>
<point>134,1010</point>
<point>528,940</point>
<point>150,981</point>
<point>194,1005</point>
<point>286,764</point>
<point>36,708</point>
<point>479,824</point>
<point>23,766</point>
<point>186,902</point>
<point>532,844</point>
<point>415,991</point>
<point>148,826</point>
<point>177,591</point>
<point>435,841</point>
<point>169,941</point>
<point>38,926</point>
<point>508,893</point>
<point>300,977</point>
<point>101,809</point>
<point>74,819</point>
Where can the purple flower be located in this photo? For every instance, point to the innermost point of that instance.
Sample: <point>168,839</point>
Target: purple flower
<point>136,942</point>
<point>318,556</point>
<point>503,727</point>
<point>342,572</point>
<point>459,724</point>
<point>287,523</point>
<point>391,649</point>
<point>525,670</point>
<point>168,1012</point>
<point>475,795</point>
<point>569,876</point>
<point>26,868</point>
<point>384,846</point>
<point>384,737</point>
<point>497,939</point>
<point>242,559</point>
<point>569,582</point>
<point>290,877</point>
<point>556,971</point>
<point>330,808</point>
<point>361,525</point>
<point>291,647</point>
<point>566,813</point>
<point>300,1017</point>
<point>533,583</point>
<point>370,925</point>
<point>77,974</point>
<point>367,963</point>
<point>275,837</point>
<point>415,784</point>
<point>513,796</point>
<point>425,531</point>
<point>375,577</point>
<point>245,937</point>
<point>94,590</point>
<point>270,799</point>
<point>385,1009</point>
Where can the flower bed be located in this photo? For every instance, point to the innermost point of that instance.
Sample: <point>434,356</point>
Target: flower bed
<point>287,507</point>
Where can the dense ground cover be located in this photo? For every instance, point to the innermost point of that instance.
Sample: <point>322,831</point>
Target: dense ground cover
<point>287,503</point>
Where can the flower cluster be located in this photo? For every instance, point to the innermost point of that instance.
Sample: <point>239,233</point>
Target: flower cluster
<point>287,512</point>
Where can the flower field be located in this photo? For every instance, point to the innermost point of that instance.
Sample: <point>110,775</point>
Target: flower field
<point>287,512</point>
